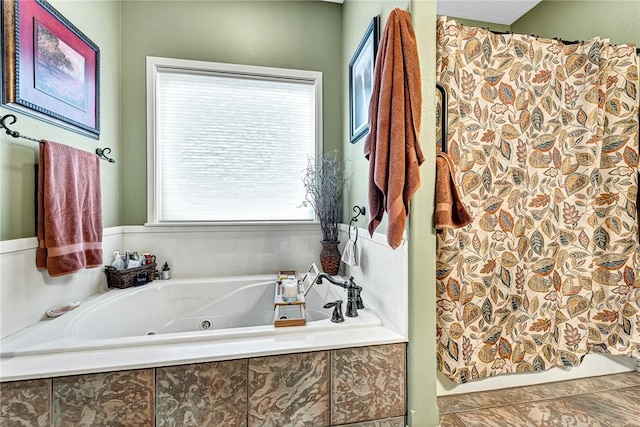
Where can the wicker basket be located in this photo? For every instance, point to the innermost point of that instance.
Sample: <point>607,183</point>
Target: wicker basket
<point>126,278</point>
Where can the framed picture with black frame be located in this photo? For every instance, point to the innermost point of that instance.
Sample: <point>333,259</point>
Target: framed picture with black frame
<point>361,70</point>
<point>51,70</point>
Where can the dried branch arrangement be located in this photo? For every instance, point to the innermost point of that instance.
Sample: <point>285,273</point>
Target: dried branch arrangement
<point>324,181</point>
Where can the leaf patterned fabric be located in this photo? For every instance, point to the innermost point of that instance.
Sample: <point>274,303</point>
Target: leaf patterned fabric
<point>544,137</point>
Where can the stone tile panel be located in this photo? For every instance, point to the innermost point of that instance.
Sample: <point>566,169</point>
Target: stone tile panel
<point>368,383</point>
<point>289,390</point>
<point>105,399</point>
<point>388,422</point>
<point>25,403</point>
<point>206,394</point>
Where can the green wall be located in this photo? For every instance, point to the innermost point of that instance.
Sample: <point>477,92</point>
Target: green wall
<point>421,363</point>
<point>100,21</point>
<point>617,20</point>
<point>421,381</point>
<point>289,34</point>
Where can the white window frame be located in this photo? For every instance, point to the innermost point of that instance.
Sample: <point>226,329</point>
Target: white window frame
<point>157,64</point>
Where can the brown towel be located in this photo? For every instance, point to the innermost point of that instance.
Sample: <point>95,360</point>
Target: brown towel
<point>450,211</point>
<point>69,210</point>
<point>394,123</point>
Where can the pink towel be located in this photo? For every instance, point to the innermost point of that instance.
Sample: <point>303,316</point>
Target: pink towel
<point>69,210</point>
<point>392,145</point>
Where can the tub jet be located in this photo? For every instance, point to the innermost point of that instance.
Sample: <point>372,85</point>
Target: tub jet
<point>206,324</point>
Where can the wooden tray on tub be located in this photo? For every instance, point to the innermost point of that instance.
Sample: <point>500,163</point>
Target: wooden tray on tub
<point>288,313</point>
<point>292,313</point>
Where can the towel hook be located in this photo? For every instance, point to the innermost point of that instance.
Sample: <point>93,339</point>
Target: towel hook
<point>359,210</point>
<point>13,118</point>
<point>14,133</point>
<point>102,153</point>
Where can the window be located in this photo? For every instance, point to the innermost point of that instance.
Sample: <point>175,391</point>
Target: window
<point>229,142</point>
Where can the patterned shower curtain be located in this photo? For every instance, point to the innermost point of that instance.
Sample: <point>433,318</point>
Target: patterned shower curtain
<point>544,137</point>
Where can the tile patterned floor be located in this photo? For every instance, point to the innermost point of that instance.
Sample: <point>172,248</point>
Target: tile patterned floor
<point>606,401</point>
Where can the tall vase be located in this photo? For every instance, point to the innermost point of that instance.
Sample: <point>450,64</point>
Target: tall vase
<point>330,257</point>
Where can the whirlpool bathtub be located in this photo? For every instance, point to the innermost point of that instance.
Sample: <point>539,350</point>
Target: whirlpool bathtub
<point>180,321</point>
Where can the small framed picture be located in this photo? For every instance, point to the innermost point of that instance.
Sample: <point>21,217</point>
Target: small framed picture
<point>361,70</point>
<point>51,69</point>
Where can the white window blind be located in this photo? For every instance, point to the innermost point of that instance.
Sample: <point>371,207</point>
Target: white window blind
<point>231,142</point>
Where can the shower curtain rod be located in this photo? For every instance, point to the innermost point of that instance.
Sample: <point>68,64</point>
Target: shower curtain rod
<point>554,38</point>
<point>534,35</point>
<point>100,152</point>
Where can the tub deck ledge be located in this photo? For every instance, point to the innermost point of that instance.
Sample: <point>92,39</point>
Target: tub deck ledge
<point>298,340</point>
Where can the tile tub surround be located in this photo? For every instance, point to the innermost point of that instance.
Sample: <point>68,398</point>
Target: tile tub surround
<point>284,390</point>
<point>383,273</point>
<point>213,251</point>
<point>26,293</point>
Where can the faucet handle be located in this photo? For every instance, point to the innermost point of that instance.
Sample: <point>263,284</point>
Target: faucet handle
<point>356,293</point>
<point>337,316</point>
<point>359,303</point>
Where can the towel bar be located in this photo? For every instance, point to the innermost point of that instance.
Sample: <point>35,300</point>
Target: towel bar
<point>100,152</point>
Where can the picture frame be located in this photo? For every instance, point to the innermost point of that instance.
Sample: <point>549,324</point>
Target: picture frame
<point>51,70</point>
<point>361,70</point>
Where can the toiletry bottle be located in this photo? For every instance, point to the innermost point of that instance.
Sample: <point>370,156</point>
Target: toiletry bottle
<point>118,262</point>
<point>166,271</point>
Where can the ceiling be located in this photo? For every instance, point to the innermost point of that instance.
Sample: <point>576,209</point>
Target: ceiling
<point>496,11</point>
<point>504,12</point>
